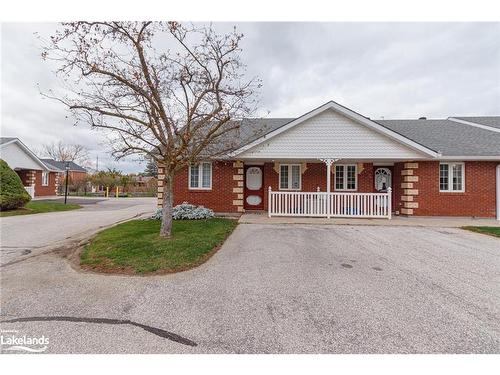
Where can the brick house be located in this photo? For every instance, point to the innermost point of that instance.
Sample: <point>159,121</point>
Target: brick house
<point>39,179</point>
<point>76,173</point>
<point>334,162</point>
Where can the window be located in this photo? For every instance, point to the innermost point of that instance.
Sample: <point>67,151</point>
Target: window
<point>452,177</point>
<point>346,177</point>
<point>290,177</point>
<point>200,176</point>
<point>45,178</point>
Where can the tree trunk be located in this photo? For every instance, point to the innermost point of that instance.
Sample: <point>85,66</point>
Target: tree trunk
<point>168,199</point>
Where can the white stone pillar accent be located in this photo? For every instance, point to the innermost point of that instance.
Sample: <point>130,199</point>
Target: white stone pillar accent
<point>238,187</point>
<point>161,183</point>
<point>409,188</point>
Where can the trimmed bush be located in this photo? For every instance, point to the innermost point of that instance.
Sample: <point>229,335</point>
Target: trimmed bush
<point>12,192</point>
<point>157,215</point>
<point>186,211</point>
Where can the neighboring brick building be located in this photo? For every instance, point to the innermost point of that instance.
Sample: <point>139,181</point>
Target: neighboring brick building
<point>433,167</point>
<point>38,178</point>
<point>76,173</point>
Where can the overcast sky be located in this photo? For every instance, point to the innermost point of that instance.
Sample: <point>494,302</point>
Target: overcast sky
<point>389,70</point>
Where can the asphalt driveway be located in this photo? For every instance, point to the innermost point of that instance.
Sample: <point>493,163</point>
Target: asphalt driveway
<point>28,235</point>
<point>277,289</point>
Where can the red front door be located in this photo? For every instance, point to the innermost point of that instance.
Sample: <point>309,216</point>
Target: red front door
<point>254,187</point>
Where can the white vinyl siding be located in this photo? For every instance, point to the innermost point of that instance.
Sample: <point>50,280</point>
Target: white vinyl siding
<point>346,177</point>
<point>452,177</point>
<point>200,176</point>
<point>318,136</point>
<point>45,178</point>
<point>290,177</point>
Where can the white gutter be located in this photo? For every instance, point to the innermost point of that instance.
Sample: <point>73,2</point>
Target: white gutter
<point>470,157</point>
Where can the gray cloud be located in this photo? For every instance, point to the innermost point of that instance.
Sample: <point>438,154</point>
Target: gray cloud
<point>394,70</point>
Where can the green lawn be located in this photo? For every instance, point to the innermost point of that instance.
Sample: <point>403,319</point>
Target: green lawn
<point>492,231</point>
<point>136,247</point>
<point>37,207</point>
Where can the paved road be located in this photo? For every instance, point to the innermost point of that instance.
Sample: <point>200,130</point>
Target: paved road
<point>27,235</point>
<point>278,289</point>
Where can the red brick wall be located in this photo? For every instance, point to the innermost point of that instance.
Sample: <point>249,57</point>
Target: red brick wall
<point>366,184</point>
<point>314,176</point>
<point>479,198</point>
<point>219,199</point>
<point>41,191</point>
<point>397,179</point>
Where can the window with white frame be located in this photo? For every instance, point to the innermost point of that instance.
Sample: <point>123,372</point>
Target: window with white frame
<point>45,178</point>
<point>346,177</point>
<point>200,176</point>
<point>452,177</point>
<point>290,177</point>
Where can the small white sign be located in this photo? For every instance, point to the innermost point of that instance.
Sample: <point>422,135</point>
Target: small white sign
<point>12,341</point>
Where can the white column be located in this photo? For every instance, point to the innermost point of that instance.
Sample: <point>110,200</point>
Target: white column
<point>328,176</point>
<point>328,163</point>
<point>269,202</point>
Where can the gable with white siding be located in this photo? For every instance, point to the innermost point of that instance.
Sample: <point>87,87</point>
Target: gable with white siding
<point>330,134</point>
<point>17,158</point>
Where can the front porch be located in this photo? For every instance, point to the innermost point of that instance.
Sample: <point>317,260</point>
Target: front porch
<point>328,204</point>
<point>327,188</point>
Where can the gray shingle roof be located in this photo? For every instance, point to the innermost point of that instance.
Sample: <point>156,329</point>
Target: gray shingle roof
<point>493,121</point>
<point>243,132</point>
<point>254,128</point>
<point>451,138</point>
<point>62,165</point>
<point>448,137</point>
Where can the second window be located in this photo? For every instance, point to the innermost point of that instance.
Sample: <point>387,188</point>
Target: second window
<point>290,177</point>
<point>346,177</point>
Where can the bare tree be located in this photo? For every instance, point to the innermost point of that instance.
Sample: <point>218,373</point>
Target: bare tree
<point>175,104</point>
<point>67,152</point>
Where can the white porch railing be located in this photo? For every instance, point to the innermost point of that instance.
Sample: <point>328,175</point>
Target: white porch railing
<point>324,204</point>
<point>30,190</point>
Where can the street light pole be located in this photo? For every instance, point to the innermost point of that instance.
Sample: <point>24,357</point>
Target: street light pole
<point>66,188</point>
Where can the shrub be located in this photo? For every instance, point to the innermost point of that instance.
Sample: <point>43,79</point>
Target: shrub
<point>186,211</point>
<point>12,192</point>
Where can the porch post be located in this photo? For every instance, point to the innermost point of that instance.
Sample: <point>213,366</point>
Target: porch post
<point>269,202</point>
<point>389,202</point>
<point>328,163</point>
